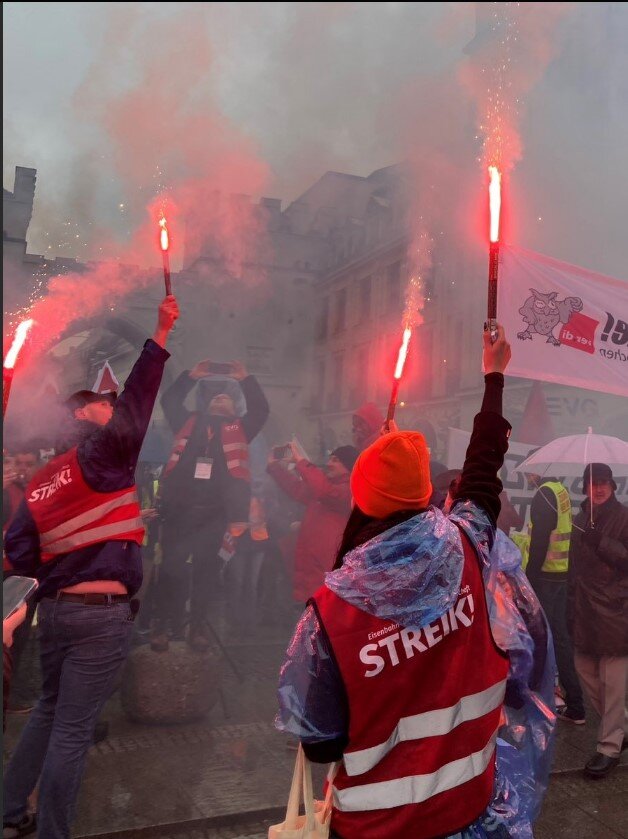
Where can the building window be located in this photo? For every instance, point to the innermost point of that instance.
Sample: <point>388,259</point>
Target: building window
<point>341,310</point>
<point>365,288</point>
<point>323,319</point>
<point>393,287</point>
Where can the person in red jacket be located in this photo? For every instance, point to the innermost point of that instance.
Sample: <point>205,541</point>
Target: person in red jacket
<point>327,497</point>
<point>366,425</point>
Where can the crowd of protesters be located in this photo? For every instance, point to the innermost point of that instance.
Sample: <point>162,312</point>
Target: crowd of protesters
<point>235,534</point>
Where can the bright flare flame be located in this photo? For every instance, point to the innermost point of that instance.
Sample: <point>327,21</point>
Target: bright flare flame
<point>163,233</point>
<point>495,200</point>
<point>403,352</point>
<point>18,342</point>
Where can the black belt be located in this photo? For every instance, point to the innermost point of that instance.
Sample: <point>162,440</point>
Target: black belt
<point>93,598</point>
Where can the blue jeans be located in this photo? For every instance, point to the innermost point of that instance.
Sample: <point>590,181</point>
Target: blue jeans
<point>82,649</point>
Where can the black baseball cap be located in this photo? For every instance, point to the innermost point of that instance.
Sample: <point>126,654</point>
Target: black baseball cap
<point>601,473</point>
<point>84,397</point>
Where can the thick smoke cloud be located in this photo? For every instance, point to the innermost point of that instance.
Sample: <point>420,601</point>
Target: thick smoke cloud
<point>263,98</point>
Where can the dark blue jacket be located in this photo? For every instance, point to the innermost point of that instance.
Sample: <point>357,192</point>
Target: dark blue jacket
<point>107,456</point>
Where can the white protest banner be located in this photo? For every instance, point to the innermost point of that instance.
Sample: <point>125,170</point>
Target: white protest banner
<point>515,483</point>
<point>565,325</point>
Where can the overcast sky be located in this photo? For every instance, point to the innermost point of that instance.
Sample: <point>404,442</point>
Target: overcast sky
<point>306,87</point>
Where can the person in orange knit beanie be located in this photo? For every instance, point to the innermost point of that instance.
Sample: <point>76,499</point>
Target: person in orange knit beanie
<point>399,637</point>
<point>392,474</point>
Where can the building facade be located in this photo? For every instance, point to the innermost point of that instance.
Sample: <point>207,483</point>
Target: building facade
<point>316,315</point>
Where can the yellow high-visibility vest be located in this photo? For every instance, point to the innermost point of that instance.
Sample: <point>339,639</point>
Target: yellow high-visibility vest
<point>557,558</point>
<point>522,541</point>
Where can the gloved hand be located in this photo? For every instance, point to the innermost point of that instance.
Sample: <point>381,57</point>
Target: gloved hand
<point>591,538</point>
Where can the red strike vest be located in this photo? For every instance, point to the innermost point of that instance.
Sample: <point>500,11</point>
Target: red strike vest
<point>424,709</point>
<point>70,515</point>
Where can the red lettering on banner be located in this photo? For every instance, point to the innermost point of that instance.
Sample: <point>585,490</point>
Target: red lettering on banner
<point>579,332</point>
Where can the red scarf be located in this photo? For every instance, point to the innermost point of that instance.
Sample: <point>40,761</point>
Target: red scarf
<point>234,446</point>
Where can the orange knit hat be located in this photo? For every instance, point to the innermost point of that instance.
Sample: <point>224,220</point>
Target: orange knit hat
<point>392,474</point>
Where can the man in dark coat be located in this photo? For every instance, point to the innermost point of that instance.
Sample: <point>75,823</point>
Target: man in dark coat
<point>598,611</point>
<point>205,494</point>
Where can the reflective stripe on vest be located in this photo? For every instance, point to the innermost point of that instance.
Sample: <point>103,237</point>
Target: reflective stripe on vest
<point>414,789</point>
<point>50,537</point>
<point>557,557</point>
<point>96,534</point>
<point>232,447</point>
<point>428,724</point>
<point>424,709</point>
<point>69,514</point>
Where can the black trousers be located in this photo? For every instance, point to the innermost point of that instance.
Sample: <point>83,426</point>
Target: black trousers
<point>553,598</point>
<point>177,579</point>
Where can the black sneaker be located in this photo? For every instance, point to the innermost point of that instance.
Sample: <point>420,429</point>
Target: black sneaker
<point>26,826</point>
<point>570,715</point>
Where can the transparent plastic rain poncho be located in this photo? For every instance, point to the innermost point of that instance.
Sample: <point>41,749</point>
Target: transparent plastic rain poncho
<point>411,575</point>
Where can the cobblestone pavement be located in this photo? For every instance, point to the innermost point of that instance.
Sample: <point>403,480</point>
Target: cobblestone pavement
<point>228,776</point>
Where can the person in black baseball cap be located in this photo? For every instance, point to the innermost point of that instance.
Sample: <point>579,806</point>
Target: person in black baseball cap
<point>79,530</point>
<point>81,399</point>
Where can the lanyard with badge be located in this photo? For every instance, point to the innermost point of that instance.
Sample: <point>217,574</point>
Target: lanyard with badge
<point>203,468</point>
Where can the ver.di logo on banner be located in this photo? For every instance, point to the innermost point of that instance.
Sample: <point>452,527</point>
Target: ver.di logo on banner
<point>554,308</point>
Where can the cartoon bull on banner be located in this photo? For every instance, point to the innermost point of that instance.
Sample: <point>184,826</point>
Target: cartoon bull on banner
<point>543,312</point>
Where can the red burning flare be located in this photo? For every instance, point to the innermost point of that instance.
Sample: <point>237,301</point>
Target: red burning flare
<point>9,362</point>
<point>21,334</point>
<point>164,243</point>
<point>403,352</point>
<point>495,200</point>
<point>164,239</point>
<point>495,207</point>
<point>401,360</point>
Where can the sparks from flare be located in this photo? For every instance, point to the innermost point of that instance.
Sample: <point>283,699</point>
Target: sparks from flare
<point>21,334</point>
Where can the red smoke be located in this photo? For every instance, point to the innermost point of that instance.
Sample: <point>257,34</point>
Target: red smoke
<point>150,92</point>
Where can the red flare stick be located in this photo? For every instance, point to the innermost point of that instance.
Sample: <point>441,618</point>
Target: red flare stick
<point>7,381</point>
<point>164,243</point>
<point>495,203</point>
<point>401,360</point>
<point>9,362</point>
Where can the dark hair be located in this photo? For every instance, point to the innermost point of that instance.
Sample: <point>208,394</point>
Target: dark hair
<point>361,528</point>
